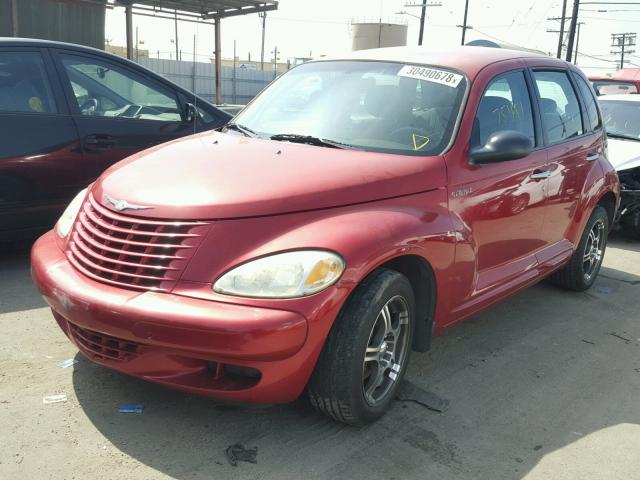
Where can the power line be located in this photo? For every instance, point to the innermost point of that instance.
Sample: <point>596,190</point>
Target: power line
<point>534,29</point>
<point>613,19</point>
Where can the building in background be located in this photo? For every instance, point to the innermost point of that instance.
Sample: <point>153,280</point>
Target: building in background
<point>61,20</point>
<point>377,34</point>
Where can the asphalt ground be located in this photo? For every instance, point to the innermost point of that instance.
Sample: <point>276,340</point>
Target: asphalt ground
<point>546,385</point>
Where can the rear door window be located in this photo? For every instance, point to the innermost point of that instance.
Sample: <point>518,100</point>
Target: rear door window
<point>24,86</point>
<point>505,105</point>
<point>559,107</point>
<point>589,101</point>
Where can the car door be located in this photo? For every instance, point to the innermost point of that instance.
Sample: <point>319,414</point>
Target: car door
<point>574,144</point>
<point>118,111</point>
<point>500,205</point>
<point>39,151</point>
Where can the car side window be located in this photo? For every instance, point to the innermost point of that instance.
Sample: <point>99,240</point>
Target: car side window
<point>103,89</point>
<point>590,102</point>
<point>24,86</point>
<point>559,107</point>
<point>505,105</point>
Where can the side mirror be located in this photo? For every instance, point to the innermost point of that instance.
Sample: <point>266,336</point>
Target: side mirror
<point>502,146</point>
<point>192,113</point>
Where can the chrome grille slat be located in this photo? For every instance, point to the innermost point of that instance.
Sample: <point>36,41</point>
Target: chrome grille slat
<point>101,258</point>
<point>109,238</point>
<point>132,252</point>
<point>131,231</point>
<point>143,221</point>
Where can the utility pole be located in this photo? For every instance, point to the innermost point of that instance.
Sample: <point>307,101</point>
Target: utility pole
<point>218,53</point>
<point>128,13</point>
<point>561,33</point>
<point>572,28</point>
<point>275,61</point>
<point>623,41</point>
<point>561,37</point>
<point>423,16</point>
<point>195,47</point>
<point>263,16</point>
<point>464,21</point>
<point>176,29</point>
<point>235,80</point>
<point>14,18</point>
<point>575,55</point>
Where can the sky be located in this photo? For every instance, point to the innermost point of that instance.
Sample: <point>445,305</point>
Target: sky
<point>301,28</point>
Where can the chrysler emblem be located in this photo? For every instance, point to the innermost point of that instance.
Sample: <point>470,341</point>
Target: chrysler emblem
<point>121,205</point>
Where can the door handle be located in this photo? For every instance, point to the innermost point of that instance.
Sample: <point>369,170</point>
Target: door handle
<point>593,156</point>
<point>99,141</point>
<point>540,175</point>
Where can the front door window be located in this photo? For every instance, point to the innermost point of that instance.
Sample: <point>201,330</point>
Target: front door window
<point>102,89</point>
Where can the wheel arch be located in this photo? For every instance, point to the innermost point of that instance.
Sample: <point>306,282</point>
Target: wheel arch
<point>608,201</point>
<point>423,281</point>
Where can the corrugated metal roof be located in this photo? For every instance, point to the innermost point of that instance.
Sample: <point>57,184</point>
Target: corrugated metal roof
<point>207,8</point>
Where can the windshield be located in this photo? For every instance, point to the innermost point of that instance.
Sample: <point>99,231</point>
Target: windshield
<point>621,118</point>
<point>374,106</point>
<point>610,87</point>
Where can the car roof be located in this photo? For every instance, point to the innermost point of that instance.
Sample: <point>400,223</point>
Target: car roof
<point>36,42</point>
<point>39,43</point>
<point>467,59</point>
<point>625,97</point>
<point>622,75</point>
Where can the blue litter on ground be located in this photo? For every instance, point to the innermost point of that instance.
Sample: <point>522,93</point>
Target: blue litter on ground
<point>131,408</point>
<point>601,289</point>
<point>68,363</point>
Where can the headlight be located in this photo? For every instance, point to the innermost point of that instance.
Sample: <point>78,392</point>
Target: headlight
<point>284,275</point>
<point>63,227</point>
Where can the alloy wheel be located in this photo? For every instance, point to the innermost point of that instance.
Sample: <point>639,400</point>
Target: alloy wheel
<point>593,250</point>
<point>387,350</point>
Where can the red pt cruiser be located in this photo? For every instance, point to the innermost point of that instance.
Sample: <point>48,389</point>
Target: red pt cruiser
<point>353,210</point>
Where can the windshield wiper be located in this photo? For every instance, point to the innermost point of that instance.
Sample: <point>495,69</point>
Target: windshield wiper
<point>311,140</point>
<point>241,128</point>
<point>622,136</point>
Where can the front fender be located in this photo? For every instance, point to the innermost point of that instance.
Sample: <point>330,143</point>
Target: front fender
<point>366,236</point>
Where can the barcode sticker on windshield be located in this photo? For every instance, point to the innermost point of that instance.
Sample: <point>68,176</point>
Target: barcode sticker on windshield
<point>431,75</point>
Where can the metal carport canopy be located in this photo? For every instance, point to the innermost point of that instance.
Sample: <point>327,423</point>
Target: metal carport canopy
<point>205,10</point>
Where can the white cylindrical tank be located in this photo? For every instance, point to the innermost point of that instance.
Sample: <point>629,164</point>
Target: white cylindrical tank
<point>365,35</point>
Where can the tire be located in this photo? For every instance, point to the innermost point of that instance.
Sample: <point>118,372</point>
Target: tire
<point>343,384</point>
<point>580,274</point>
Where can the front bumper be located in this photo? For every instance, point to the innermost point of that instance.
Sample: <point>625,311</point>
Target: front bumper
<point>234,352</point>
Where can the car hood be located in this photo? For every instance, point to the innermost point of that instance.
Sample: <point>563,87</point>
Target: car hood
<point>624,154</point>
<point>214,175</point>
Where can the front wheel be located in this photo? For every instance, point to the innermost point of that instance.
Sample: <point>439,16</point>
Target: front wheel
<point>583,268</point>
<point>366,354</point>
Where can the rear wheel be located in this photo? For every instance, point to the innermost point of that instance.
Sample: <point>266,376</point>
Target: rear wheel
<point>583,268</point>
<point>367,351</point>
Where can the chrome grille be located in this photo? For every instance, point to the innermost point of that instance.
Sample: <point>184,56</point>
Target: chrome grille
<point>132,252</point>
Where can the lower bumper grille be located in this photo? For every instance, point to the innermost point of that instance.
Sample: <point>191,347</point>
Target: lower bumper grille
<point>103,347</point>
